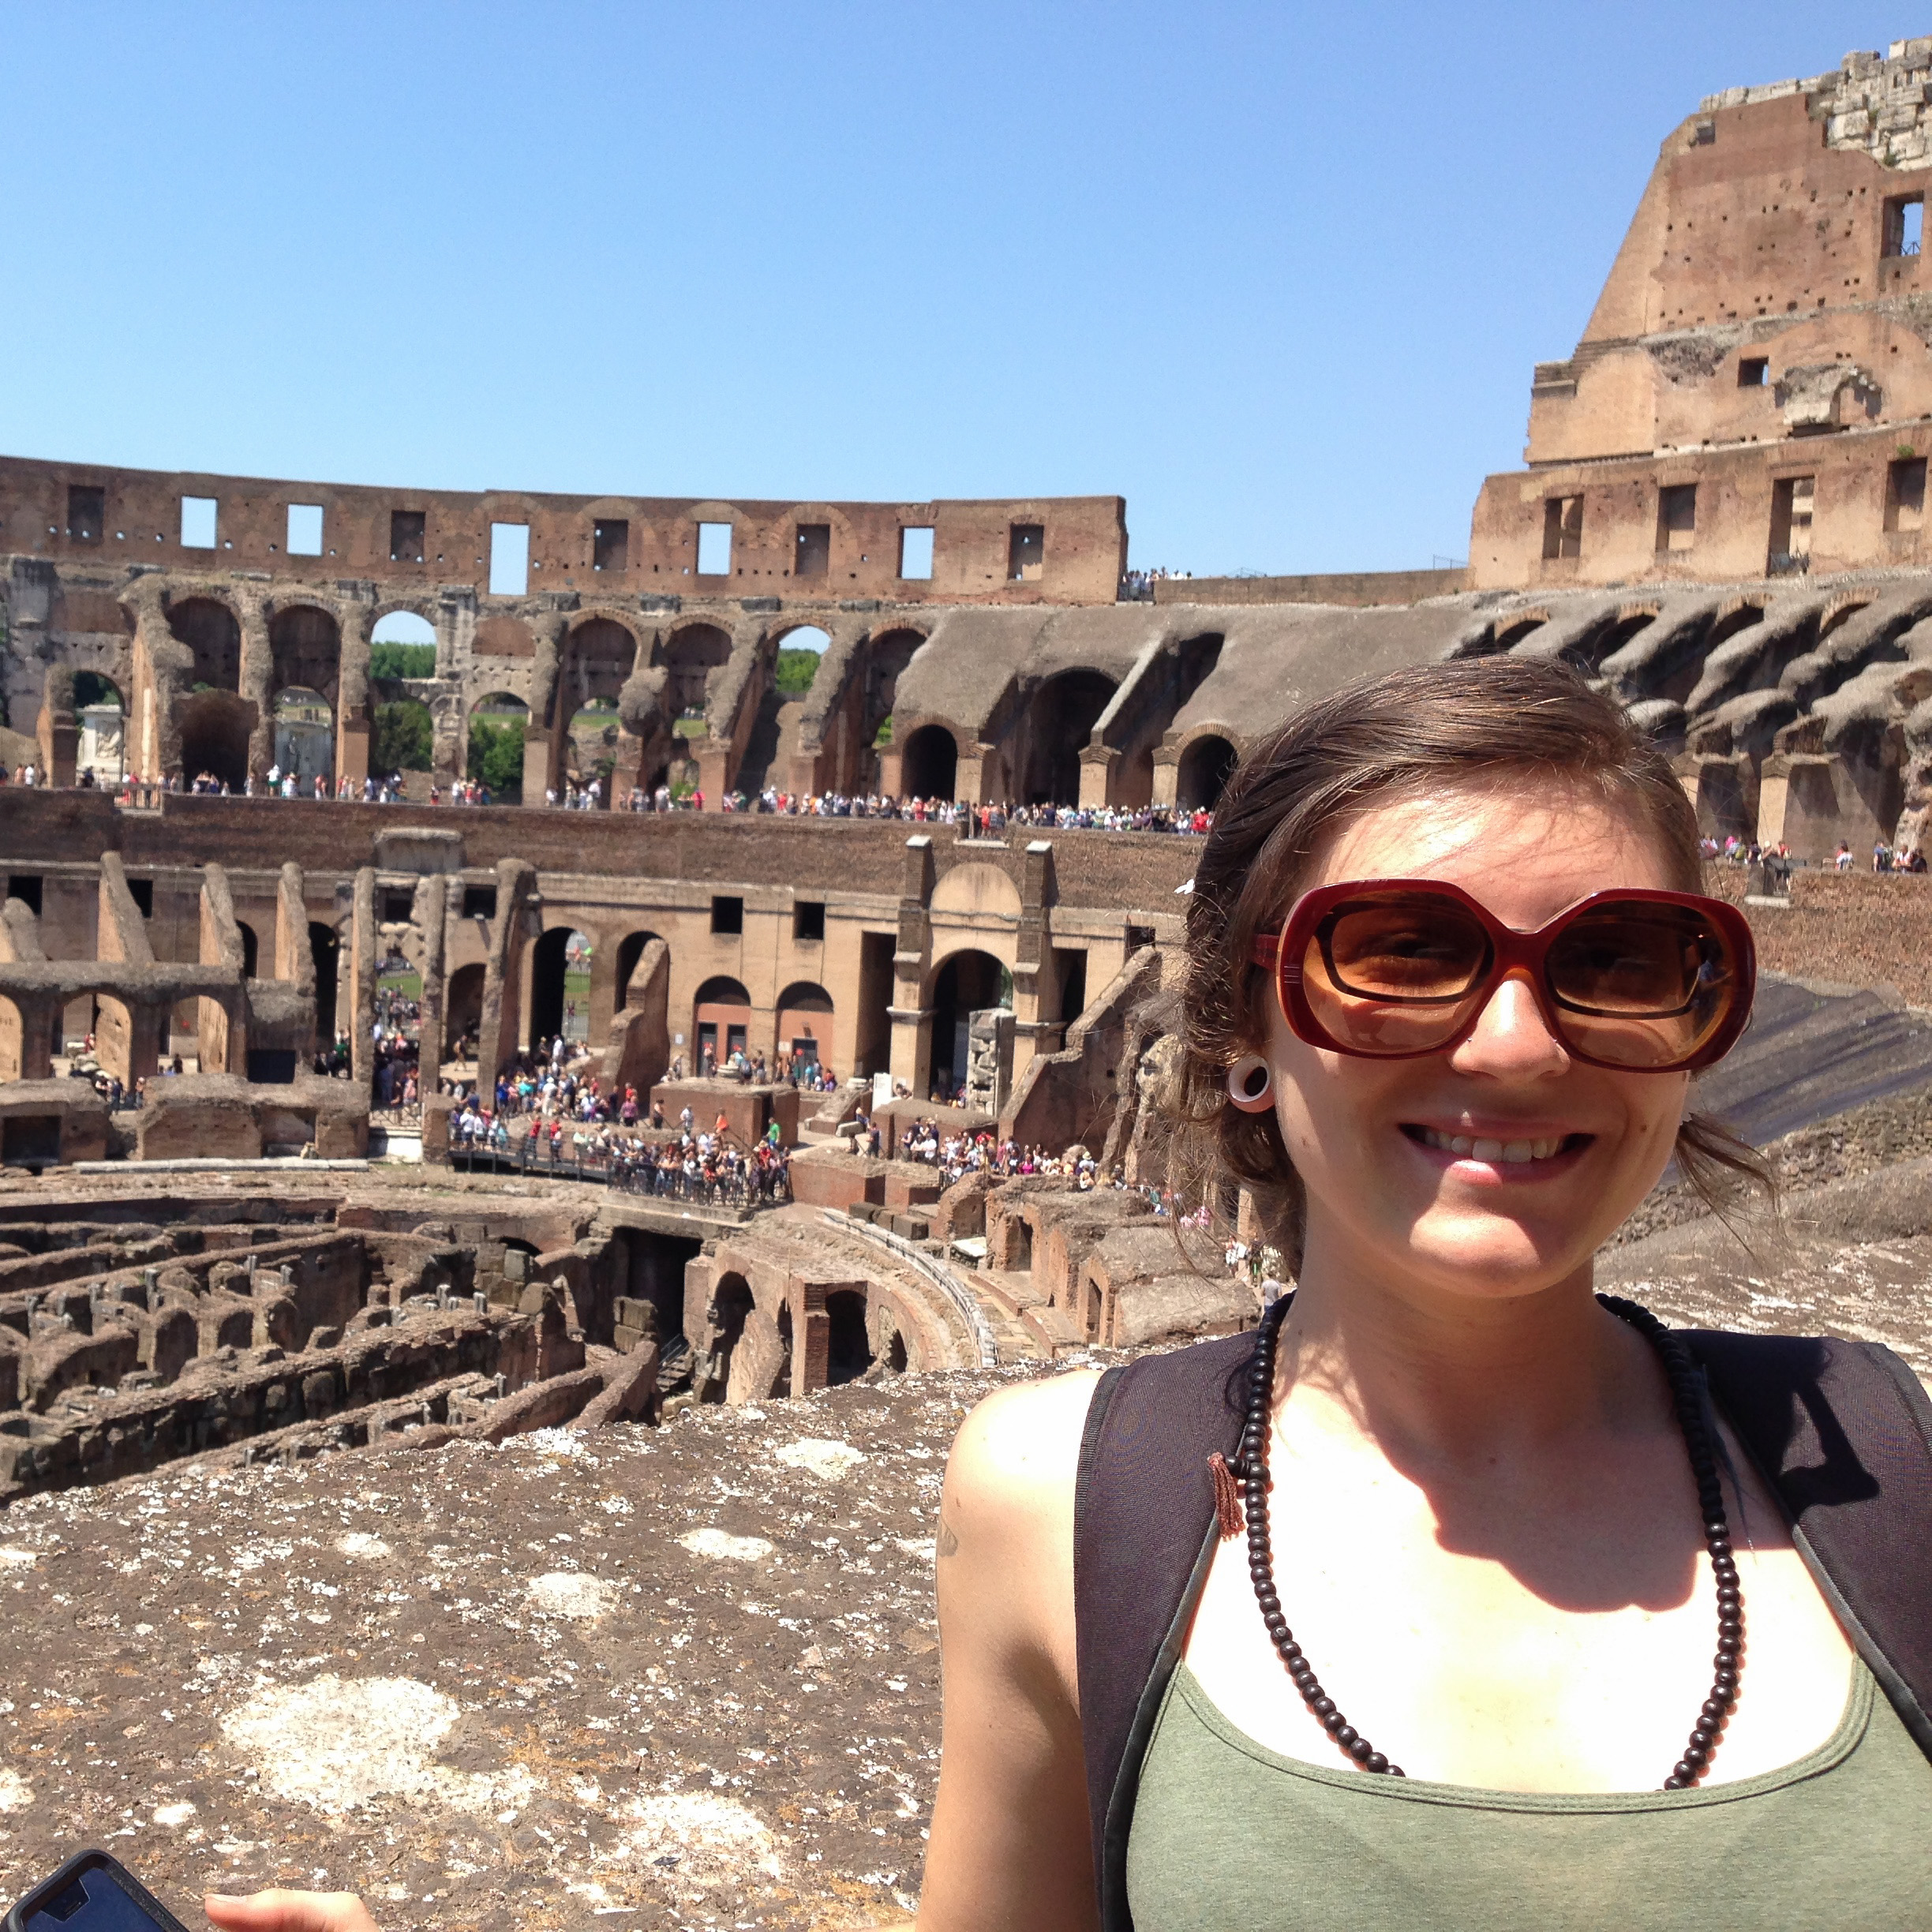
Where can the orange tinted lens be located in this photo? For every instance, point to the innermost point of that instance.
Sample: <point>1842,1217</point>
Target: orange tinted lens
<point>1641,986</point>
<point>1395,974</point>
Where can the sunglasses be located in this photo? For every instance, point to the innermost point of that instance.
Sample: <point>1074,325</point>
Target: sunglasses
<point>1642,982</point>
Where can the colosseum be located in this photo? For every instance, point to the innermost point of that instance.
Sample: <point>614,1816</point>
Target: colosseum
<point>823,836</point>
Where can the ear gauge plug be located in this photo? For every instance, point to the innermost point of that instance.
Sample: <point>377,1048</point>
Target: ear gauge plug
<point>1251,1084</point>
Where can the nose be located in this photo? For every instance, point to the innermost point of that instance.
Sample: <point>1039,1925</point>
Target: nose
<point>1511,1038</point>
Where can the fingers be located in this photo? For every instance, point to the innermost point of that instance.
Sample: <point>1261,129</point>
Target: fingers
<point>280,1910</point>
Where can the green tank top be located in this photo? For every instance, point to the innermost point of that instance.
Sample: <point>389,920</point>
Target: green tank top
<point>1230,1837</point>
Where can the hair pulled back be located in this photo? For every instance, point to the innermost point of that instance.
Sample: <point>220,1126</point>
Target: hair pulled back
<point>1506,721</point>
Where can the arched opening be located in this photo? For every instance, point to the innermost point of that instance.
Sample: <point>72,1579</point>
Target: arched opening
<point>805,1034</point>
<point>402,645</point>
<point>305,645</point>
<point>560,988</point>
<point>886,658</point>
<point>1060,720</point>
<point>690,655</point>
<point>1624,631</point>
<point>896,1359</point>
<point>325,953</point>
<point>305,736</point>
<point>101,713</point>
<point>1841,616</point>
<point>720,1023</point>
<point>800,653</point>
<point>630,950</point>
<point>495,758</point>
<point>210,630</point>
<point>214,728</point>
<point>1728,626</point>
<point>463,1013</point>
<point>731,1307</point>
<point>930,767</point>
<point>968,983</point>
<point>599,656</point>
<point>848,1352</point>
<point>1206,766</point>
<point>1511,631</point>
<point>251,948</point>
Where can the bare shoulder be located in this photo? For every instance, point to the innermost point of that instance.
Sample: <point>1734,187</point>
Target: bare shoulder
<point>1021,1445</point>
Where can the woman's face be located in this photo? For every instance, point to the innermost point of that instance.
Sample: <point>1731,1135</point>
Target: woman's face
<point>1388,1194</point>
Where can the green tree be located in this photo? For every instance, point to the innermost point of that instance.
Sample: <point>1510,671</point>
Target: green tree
<point>496,759</point>
<point>401,660</point>
<point>404,739</point>
<point>796,668</point>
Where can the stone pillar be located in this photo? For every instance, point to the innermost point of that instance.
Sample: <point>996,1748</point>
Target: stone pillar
<point>362,1001</point>
<point>811,1335</point>
<point>1096,773</point>
<point>257,684</point>
<point>58,733</point>
<point>27,1025</point>
<point>438,898</point>
<point>352,695</point>
<point>1167,775</point>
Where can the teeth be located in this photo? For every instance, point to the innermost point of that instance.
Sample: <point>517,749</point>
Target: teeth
<point>1468,1147</point>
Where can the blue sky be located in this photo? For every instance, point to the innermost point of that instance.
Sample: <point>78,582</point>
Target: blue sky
<point>1276,273</point>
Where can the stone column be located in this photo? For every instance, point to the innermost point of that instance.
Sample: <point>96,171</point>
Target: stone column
<point>257,683</point>
<point>352,695</point>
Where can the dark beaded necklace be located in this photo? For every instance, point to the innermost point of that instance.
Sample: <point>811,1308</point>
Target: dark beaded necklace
<point>1241,1488</point>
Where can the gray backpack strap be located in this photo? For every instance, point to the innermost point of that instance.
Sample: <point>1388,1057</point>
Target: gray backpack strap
<point>1144,1530</point>
<point>1842,1432</point>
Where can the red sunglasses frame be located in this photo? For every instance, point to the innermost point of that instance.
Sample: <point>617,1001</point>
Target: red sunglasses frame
<point>1513,952</point>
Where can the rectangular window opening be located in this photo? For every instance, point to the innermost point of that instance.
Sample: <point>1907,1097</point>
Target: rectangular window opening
<point>199,518</point>
<point>304,529</point>
<point>808,919</point>
<point>86,511</point>
<point>610,545</point>
<point>25,887</point>
<point>1563,527</point>
<point>915,552</point>
<point>1905,490</point>
<point>1753,372</point>
<point>811,555</point>
<point>406,536</point>
<point>1676,516</point>
<point>141,892</point>
<point>714,549</point>
<point>1905,225</point>
<point>479,902</point>
<point>509,559</point>
<point>1026,552</point>
<point>727,916</point>
<point>1791,524</point>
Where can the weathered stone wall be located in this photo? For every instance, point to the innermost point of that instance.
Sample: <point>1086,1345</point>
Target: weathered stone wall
<point>1854,928</point>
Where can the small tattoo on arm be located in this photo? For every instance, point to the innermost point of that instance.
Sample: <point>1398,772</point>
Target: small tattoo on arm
<point>947,1542</point>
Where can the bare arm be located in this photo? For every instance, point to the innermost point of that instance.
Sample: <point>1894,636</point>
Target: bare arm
<point>1009,1850</point>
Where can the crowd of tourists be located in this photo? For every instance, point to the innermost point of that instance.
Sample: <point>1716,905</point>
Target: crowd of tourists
<point>959,1152</point>
<point>982,821</point>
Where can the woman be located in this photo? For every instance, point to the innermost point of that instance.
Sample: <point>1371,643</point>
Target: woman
<point>1469,1586</point>
<point>1488,1550</point>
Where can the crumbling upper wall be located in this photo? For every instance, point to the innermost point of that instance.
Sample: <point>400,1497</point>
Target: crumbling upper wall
<point>621,545</point>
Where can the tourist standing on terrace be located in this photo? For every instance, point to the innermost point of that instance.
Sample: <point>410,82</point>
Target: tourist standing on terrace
<point>1424,1603</point>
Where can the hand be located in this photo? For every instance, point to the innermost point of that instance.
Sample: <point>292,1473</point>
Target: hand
<point>290,1912</point>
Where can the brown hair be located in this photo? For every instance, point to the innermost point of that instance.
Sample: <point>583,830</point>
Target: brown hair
<point>1503,720</point>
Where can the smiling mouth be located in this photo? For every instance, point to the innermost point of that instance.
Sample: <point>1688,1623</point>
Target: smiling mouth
<point>1496,1152</point>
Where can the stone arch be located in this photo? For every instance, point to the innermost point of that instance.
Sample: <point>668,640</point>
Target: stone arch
<point>207,625</point>
<point>1207,762</point>
<point>630,950</point>
<point>806,1025</point>
<point>101,711</point>
<point>1734,617</point>
<point>1511,631</point>
<point>929,762</point>
<point>304,647</point>
<point>554,960</point>
<point>214,729</point>
<point>305,734</point>
<point>1840,610</point>
<point>497,711</point>
<point>1060,718</point>
<point>720,1020</point>
<point>690,652</point>
<point>462,1012</point>
<point>964,982</point>
<point>978,889</point>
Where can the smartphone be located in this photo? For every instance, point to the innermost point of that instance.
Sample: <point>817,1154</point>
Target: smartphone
<point>92,1893</point>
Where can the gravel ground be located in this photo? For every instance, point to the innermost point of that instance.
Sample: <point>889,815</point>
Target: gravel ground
<point>668,1677</point>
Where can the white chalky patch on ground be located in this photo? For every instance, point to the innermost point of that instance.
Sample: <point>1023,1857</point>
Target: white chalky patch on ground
<point>570,1593</point>
<point>827,1460</point>
<point>359,1543</point>
<point>719,1542</point>
<point>557,1442</point>
<point>173,1815</point>
<point>338,1742</point>
<point>16,1793</point>
<point>13,1558</point>
<point>921,1546</point>
<point>697,1839</point>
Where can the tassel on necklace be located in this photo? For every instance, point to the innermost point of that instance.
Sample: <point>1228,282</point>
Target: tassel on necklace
<point>1227,1496</point>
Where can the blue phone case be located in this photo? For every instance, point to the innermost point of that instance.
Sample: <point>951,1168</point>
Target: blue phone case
<point>92,1892</point>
